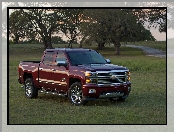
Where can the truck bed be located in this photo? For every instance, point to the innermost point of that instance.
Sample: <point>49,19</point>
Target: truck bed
<point>30,61</point>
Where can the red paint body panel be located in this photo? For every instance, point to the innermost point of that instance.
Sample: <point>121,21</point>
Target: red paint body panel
<point>101,89</point>
<point>59,78</point>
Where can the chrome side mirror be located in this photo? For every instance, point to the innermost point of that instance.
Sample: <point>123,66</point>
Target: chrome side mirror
<point>62,63</point>
<point>108,61</point>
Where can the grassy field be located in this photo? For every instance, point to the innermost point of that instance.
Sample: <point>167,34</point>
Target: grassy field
<point>161,45</point>
<point>145,105</point>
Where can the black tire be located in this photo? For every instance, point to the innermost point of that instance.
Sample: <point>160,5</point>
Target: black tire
<point>30,90</point>
<point>75,94</point>
<point>117,99</point>
<point>121,99</point>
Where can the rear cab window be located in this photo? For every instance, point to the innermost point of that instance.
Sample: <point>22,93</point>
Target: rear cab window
<point>48,57</point>
<point>60,56</point>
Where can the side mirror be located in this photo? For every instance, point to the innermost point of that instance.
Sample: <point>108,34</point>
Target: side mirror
<point>108,61</point>
<point>62,63</point>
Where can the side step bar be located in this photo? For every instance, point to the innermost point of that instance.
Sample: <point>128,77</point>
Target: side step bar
<point>52,92</point>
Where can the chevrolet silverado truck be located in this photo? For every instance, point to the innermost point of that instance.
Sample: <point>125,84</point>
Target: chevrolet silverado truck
<point>79,74</point>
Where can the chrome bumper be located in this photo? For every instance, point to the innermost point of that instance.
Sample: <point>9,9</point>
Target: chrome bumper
<point>111,95</point>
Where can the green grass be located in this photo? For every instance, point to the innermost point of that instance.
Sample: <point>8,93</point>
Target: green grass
<point>146,103</point>
<point>161,45</point>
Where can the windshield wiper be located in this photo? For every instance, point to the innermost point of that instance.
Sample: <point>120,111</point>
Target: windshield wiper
<point>98,63</point>
<point>88,64</point>
<point>78,64</point>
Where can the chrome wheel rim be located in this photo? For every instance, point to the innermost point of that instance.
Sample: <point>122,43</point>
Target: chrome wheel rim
<point>28,88</point>
<point>76,95</point>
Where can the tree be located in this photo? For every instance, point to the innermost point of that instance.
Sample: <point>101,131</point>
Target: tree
<point>18,25</point>
<point>72,20</point>
<point>156,17</point>
<point>112,25</point>
<point>125,27</point>
<point>57,40</point>
<point>169,6</point>
<point>45,22</point>
<point>144,34</point>
<point>95,27</point>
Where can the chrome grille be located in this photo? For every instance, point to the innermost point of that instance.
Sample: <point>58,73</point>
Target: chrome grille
<point>111,77</point>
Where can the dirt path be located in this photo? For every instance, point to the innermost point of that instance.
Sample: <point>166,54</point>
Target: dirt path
<point>150,51</point>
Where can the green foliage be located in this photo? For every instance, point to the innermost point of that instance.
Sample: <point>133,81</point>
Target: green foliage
<point>114,26</point>
<point>11,42</point>
<point>72,20</point>
<point>57,40</point>
<point>45,22</point>
<point>99,25</point>
<point>156,17</point>
<point>18,25</point>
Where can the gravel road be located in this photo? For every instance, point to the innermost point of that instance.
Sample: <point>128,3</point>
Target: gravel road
<point>150,51</point>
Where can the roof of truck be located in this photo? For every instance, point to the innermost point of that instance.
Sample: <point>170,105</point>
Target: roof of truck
<point>69,49</point>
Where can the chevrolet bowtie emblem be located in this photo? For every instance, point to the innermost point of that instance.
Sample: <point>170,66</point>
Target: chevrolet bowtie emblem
<point>113,77</point>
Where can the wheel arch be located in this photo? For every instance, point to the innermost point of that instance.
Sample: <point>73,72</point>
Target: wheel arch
<point>27,75</point>
<point>73,80</point>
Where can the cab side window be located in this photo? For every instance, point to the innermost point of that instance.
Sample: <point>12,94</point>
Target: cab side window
<point>60,56</point>
<point>48,58</point>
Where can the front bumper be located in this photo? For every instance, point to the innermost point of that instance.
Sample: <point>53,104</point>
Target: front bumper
<point>91,92</point>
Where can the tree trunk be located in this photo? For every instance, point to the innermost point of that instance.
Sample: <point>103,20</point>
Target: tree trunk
<point>117,48</point>
<point>16,40</point>
<point>80,45</point>
<point>47,42</point>
<point>45,45</point>
<point>82,41</point>
<point>49,45</point>
<point>101,45</point>
<point>70,44</point>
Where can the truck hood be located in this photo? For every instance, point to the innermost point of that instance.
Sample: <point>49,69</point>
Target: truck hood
<point>102,67</point>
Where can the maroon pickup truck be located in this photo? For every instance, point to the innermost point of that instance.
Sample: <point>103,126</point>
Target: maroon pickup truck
<point>79,74</point>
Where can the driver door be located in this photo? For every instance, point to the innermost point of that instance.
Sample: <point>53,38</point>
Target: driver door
<point>60,73</point>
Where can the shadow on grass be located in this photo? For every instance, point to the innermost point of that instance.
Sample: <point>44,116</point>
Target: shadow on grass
<point>65,100</point>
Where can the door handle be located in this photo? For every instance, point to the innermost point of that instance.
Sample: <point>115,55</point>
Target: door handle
<point>53,70</point>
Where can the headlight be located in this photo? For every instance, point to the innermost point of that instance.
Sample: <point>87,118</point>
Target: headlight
<point>128,75</point>
<point>90,74</point>
<point>91,80</point>
<point>91,77</point>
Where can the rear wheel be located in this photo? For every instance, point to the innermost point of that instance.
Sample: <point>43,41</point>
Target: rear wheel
<point>30,90</point>
<point>75,94</point>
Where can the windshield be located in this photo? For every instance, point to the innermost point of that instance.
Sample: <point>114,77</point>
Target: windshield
<point>86,57</point>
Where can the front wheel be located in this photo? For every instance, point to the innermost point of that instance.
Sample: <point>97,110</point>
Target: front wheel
<point>117,99</point>
<point>30,90</point>
<point>75,94</point>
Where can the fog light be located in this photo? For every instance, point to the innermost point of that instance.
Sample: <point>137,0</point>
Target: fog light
<point>128,78</point>
<point>88,80</point>
<point>92,91</point>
